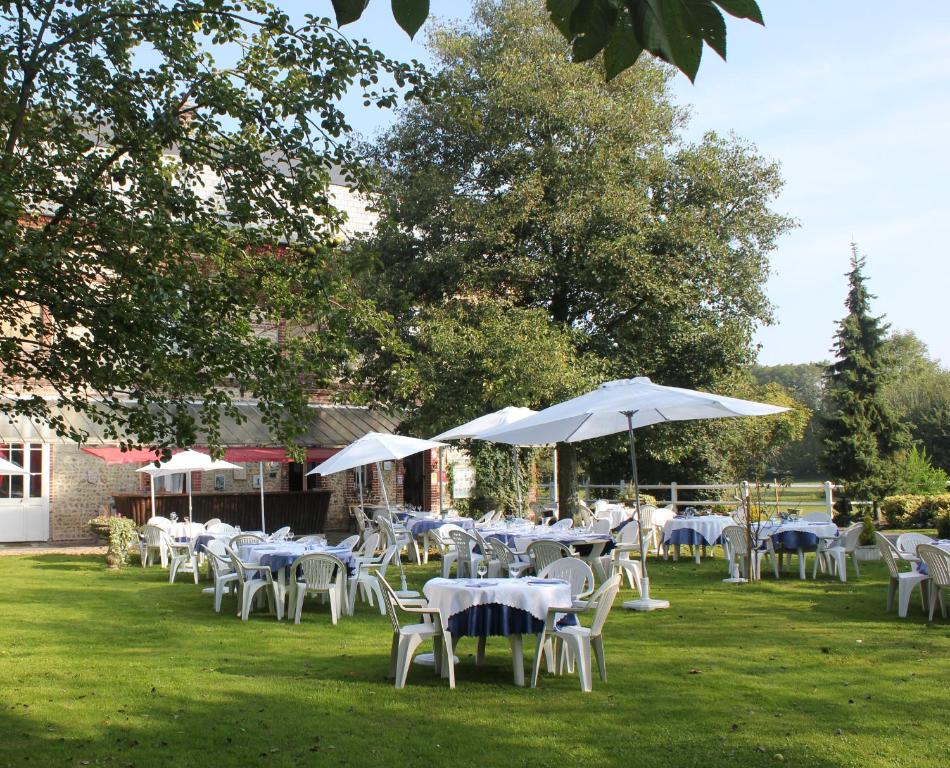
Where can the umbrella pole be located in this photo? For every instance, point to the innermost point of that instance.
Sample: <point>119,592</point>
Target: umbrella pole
<point>382,485</point>
<point>645,603</point>
<point>555,490</point>
<point>261,470</point>
<point>441,507</point>
<point>151,485</point>
<point>188,480</point>
<point>359,480</point>
<point>516,469</point>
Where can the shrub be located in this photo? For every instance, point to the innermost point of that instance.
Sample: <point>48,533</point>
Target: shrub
<point>943,527</point>
<point>122,533</point>
<point>868,530</point>
<point>913,473</point>
<point>915,511</point>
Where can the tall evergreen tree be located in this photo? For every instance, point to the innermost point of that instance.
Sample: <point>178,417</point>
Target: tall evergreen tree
<point>862,432</point>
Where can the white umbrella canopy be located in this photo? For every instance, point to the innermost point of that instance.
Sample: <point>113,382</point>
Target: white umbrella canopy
<point>9,468</point>
<point>604,412</point>
<point>185,463</point>
<point>620,406</point>
<point>486,423</point>
<point>372,448</point>
<point>490,421</point>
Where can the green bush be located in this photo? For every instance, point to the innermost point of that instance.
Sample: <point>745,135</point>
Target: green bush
<point>913,473</point>
<point>943,527</point>
<point>122,533</point>
<point>868,529</point>
<point>914,510</point>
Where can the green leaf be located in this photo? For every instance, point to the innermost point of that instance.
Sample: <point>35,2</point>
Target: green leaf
<point>560,12</point>
<point>742,9</point>
<point>410,14</point>
<point>348,11</point>
<point>592,25</point>
<point>704,19</point>
<point>662,30</point>
<point>623,49</point>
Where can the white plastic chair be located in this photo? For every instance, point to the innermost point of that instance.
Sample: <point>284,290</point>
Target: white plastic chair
<point>835,552</point>
<point>212,521</point>
<point>580,641</point>
<point>220,527</point>
<point>628,542</point>
<point>543,552</point>
<point>907,544</point>
<point>181,558</point>
<point>252,579</point>
<point>317,574</point>
<point>937,561</point>
<point>280,534</point>
<point>504,562</point>
<point>153,543</point>
<point>467,559</point>
<point>350,542</point>
<point>224,575</point>
<point>575,572</point>
<point>400,536</point>
<point>486,518</point>
<point>903,582</point>
<point>735,540</point>
<point>564,524</point>
<point>602,525</point>
<point>442,541</point>
<point>409,637</point>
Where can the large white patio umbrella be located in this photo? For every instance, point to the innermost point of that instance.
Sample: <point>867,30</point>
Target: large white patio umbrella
<point>9,468</point>
<point>619,406</point>
<point>373,448</point>
<point>472,430</point>
<point>185,463</point>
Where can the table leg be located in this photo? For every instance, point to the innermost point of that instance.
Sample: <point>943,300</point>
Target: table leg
<point>676,552</point>
<point>517,659</point>
<point>480,649</point>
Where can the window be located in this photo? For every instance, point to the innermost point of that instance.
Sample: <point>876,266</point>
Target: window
<point>30,457</point>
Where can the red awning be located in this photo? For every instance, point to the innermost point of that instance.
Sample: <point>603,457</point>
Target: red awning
<point>112,454</point>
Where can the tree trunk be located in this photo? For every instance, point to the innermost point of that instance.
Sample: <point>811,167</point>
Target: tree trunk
<point>567,480</point>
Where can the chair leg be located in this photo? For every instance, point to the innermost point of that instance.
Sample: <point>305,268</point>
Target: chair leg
<point>298,603</point>
<point>891,588</point>
<point>801,565</point>
<point>905,589</point>
<point>448,658</point>
<point>857,568</point>
<point>597,644</point>
<point>393,657</point>
<point>408,644</point>
<point>841,560</point>
<point>536,666</point>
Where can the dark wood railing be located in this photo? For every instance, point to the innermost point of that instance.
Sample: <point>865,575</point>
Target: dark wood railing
<point>303,511</point>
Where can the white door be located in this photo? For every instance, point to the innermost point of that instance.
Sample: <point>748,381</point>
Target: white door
<point>24,500</point>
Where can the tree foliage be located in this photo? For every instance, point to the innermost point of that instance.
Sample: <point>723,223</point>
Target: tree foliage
<point>919,390</point>
<point>165,197</point>
<point>534,183</point>
<point>671,30</point>
<point>862,433</point>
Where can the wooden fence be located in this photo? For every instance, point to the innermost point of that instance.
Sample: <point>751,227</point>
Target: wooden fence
<point>304,511</point>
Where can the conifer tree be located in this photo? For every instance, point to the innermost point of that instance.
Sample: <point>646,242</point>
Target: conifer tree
<point>862,434</point>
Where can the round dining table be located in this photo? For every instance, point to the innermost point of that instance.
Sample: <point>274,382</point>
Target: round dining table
<point>699,531</point>
<point>501,607</point>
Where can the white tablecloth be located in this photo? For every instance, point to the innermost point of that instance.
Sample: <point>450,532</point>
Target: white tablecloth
<point>821,530</point>
<point>535,596</point>
<point>709,527</point>
<point>662,516</point>
<point>186,530</point>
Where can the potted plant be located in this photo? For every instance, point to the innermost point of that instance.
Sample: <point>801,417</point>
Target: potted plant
<point>867,544</point>
<point>100,527</point>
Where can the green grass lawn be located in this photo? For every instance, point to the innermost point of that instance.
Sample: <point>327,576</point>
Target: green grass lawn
<point>100,667</point>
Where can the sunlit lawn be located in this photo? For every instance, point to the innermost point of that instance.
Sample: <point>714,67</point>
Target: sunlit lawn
<point>120,668</point>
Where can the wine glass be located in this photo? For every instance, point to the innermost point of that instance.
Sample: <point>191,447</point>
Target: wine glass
<point>482,568</point>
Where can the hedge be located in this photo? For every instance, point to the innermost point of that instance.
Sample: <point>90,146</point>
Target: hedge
<point>913,511</point>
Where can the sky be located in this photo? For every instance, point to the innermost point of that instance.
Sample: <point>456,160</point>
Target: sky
<point>852,97</point>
